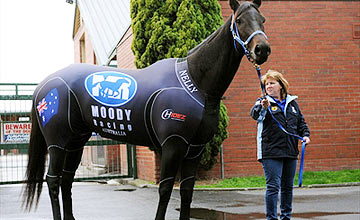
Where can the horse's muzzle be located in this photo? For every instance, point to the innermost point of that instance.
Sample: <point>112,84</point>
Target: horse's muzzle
<point>261,52</point>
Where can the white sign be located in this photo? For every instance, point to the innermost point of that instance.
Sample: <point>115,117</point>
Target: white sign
<point>18,132</point>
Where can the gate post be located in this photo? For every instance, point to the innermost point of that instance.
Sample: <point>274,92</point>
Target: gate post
<point>131,158</point>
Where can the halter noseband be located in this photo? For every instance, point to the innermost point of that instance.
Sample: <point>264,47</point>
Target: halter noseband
<point>236,36</point>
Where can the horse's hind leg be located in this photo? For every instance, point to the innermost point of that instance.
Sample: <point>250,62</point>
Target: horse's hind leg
<point>72,161</point>
<point>173,152</point>
<point>57,155</point>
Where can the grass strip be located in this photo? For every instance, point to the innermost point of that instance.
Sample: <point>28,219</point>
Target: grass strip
<point>309,178</point>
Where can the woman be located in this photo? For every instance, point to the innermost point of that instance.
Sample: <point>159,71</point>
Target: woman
<point>276,150</point>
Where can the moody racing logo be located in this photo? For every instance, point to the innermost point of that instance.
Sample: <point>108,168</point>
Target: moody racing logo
<point>170,114</point>
<point>111,88</point>
<point>115,121</point>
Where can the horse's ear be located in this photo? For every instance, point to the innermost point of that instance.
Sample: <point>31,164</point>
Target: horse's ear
<point>257,3</point>
<point>234,4</point>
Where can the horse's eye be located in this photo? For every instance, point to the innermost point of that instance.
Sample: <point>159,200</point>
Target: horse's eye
<point>237,20</point>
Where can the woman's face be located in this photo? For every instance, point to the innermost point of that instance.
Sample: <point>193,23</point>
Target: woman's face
<point>273,88</point>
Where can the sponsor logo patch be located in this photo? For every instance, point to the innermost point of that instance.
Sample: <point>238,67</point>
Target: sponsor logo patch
<point>111,88</point>
<point>170,114</point>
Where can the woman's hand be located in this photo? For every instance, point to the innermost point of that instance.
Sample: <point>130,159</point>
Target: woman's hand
<point>307,140</point>
<point>265,103</point>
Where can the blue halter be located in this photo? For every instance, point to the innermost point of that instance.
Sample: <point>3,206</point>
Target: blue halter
<point>236,36</point>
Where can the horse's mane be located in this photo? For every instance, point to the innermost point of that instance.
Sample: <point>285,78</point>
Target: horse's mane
<point>205,41</point>
<point>242,8</point>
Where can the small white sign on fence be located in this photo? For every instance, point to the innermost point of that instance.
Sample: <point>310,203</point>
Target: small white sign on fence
<point>16,132</point>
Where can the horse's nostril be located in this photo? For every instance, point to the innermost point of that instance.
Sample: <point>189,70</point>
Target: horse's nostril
<point>262,50</point>
<point>268,51</point>
<point>258,50</point>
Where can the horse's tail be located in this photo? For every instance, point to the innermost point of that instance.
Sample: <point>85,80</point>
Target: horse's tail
<point>34,176</point>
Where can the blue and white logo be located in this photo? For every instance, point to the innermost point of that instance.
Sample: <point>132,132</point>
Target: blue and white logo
<point>111,88</point>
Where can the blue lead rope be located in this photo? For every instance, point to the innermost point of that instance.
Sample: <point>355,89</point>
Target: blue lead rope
<point>301,170</point>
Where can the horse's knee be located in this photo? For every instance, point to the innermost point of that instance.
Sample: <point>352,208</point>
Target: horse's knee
<point>186,190</point>
<point>186,195</point>
<point>165,189</point>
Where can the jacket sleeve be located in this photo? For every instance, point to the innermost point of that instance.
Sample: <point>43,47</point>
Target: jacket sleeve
<point>257,111</point>
<point>303,129</point>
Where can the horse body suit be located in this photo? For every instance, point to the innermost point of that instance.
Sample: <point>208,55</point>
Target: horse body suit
<point>172,104</point>
<point>144,107</point>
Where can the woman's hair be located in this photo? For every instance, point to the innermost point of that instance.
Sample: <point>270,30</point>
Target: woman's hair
<point>278,77</point>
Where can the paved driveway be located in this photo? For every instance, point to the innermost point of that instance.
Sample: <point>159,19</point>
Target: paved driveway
<point>125,202</point>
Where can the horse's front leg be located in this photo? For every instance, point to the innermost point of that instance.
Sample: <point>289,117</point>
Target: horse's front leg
<point>188,171</point>
<point>72,161</point>
<point>173,152</point>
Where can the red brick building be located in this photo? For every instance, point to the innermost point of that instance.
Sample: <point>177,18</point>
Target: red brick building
<point>316,45</point>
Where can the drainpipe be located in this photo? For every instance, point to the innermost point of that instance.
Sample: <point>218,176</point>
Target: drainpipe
<point>222,161</point>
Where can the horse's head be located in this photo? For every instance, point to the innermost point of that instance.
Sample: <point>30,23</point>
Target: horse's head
<point>248,25</point>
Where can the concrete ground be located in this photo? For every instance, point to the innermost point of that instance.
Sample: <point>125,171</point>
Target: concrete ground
<point>128,202</point>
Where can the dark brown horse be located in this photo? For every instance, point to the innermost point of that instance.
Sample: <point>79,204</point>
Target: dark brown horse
<point>176,109</point>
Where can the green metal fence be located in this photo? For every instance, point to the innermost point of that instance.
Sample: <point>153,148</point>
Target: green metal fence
<point>102,158</point>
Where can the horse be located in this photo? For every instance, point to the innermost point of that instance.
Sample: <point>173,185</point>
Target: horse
<point>174,108</point>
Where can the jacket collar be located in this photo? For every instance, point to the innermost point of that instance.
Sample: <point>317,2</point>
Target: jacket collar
<point>289,98</point>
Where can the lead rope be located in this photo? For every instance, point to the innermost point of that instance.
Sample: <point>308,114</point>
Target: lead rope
<point>301,170</point>
<point>236,36</point>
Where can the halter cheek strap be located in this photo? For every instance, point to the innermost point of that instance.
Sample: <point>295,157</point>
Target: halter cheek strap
<point>236,36</point>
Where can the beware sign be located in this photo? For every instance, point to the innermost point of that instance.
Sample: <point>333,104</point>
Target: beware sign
<point>18,132</point>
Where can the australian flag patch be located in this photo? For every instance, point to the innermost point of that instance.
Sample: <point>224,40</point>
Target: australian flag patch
<point>48,106</point>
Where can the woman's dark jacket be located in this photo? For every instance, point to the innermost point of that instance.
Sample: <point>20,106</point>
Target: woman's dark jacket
<point>272,142</point>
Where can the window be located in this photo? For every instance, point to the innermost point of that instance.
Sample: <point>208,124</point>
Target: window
<point>82,49</point>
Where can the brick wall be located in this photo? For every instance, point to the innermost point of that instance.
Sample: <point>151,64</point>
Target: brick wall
<point>124,169</point>
<point>313,46</point>
<point>148,164</point>
<point>124,55</point>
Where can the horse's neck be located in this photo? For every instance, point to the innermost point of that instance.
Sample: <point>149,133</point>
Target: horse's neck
<point>215,63</point>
